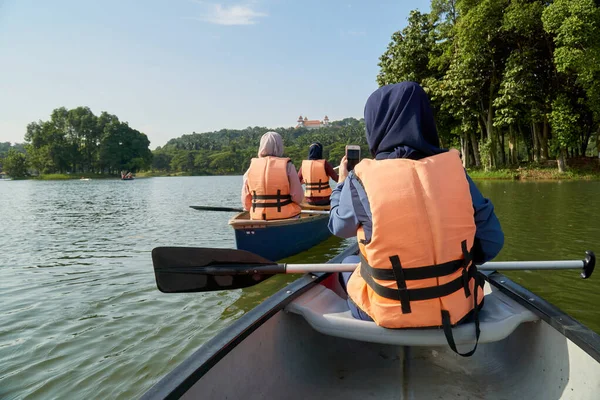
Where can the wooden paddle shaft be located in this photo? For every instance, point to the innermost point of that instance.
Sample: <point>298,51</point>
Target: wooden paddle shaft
<point>489,266</point>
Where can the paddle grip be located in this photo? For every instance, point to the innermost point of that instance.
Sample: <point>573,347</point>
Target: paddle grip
<point>589,263</point>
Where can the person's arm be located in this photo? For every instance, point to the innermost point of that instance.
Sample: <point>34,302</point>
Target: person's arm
<point>343,220</point>
<point>489,237</point>
<point>246,196</point>
<point>300,177</point>
<point>331,172</point>
<point>296,190</point>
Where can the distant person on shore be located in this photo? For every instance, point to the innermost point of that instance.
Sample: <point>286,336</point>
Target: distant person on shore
<point>315,173</point>
<point>271,188</point>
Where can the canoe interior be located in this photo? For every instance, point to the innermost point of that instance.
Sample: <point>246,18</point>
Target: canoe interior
<point>306,206</point>
<point>285,358</point>
<point>243,221</point>
<point>271,353</point>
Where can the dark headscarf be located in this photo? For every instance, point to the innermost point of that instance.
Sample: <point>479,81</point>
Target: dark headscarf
<point>399,123</point>
<point>315,151</point>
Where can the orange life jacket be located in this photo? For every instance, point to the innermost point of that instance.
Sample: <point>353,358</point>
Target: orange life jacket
<point>270,189</point>
<point>416,269</point>
<point>315,178</point>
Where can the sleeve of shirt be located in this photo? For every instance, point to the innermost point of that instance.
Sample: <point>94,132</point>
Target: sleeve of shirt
<point>300,177</point>
<point>489,237</point>
<point>246,196</point>
<point>331,172</point>
<point>343,221</point>
<point>296,190</point>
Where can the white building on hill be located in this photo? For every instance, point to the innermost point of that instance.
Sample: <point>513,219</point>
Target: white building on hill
<point>312,124</point>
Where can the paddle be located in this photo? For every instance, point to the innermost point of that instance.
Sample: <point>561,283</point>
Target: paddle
<point>231,209</point>
<point>190,269</point>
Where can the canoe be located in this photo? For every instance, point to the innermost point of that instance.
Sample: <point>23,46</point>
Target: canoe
<point>127,179</point>
<point>302,343</point>
<point>280,238</point>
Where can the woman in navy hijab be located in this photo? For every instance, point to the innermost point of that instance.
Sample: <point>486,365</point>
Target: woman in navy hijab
<point>315,152</point>
<point>399,124</point>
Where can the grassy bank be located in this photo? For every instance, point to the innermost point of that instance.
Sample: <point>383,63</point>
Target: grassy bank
<point>155,174</point>
<point>577,169</point>
<point>64,177</point>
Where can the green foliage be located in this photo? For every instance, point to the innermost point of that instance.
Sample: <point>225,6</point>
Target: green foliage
<point>564,120</point>
<point>485,150</point>
<point>78,141</point>
<point>407,56</point>
<point>15,164</point>
<point>230,151</point>
<point>525,69</point>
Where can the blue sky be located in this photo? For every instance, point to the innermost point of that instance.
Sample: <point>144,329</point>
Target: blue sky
<point>173,67</point>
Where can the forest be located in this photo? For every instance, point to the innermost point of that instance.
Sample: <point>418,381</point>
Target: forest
<point>77,141</point>
<point>510,80</point>
<point>230,151</point>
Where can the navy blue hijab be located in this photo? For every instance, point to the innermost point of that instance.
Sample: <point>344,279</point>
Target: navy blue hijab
<point>399,123</point>
<point>315,151</point>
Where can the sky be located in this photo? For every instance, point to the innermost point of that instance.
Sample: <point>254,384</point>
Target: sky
<point>171,67</point>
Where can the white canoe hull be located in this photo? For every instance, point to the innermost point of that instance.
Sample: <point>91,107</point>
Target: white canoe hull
<point>273,352</point>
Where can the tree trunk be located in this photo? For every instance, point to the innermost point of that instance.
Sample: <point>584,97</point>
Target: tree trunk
<point>585,142</point>
<point>598,142</point>
<point>464,149</point>
<point>512,156</point>
<point>544,139</point>
<point>526,143</point>
<point>476,149</point>
<point>502,149</point>
<point>561,161</point>
<point>491,135</point>
<point>536,142</point>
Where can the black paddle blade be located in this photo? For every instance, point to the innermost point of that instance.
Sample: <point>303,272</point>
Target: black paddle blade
<point>194,269</point>
<point>211,208</point>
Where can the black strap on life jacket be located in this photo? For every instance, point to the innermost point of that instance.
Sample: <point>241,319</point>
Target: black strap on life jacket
<point>413,274</point>
<point>401,275</point>
<point>287,199</point>
<point>428,293</point>
<point>317,186</point>
<point>405,296</point>
<point>447,325</point>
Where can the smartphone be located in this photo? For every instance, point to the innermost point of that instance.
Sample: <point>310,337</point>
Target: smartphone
<point>352,155</point>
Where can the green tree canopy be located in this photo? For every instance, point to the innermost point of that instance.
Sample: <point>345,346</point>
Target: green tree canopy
<point>76,140</point>
<point>15,164</point>
<point>525,70</point>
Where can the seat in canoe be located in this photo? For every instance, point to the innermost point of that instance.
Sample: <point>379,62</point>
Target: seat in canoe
<point>328,313</point>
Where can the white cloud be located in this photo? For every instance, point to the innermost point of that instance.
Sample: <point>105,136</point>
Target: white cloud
<point>231,15</point>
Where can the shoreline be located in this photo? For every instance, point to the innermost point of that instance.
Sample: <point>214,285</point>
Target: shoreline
<point>588,172</point>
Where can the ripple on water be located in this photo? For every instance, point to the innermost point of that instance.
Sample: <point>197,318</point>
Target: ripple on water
<point>81,316</point>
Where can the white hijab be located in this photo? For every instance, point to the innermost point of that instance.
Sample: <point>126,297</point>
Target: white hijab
<point>271,144</point>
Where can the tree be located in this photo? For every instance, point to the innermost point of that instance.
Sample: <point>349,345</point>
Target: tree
<point>15,164</point>
<point>407,56</point>
<point>78,141</point>
<point>522,69</point>
<point>575,25</point>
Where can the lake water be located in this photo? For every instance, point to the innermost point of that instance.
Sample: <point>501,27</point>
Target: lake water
<point>81,316</point>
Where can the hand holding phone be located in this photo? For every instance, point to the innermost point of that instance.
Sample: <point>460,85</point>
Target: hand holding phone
<point>352,155</point>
